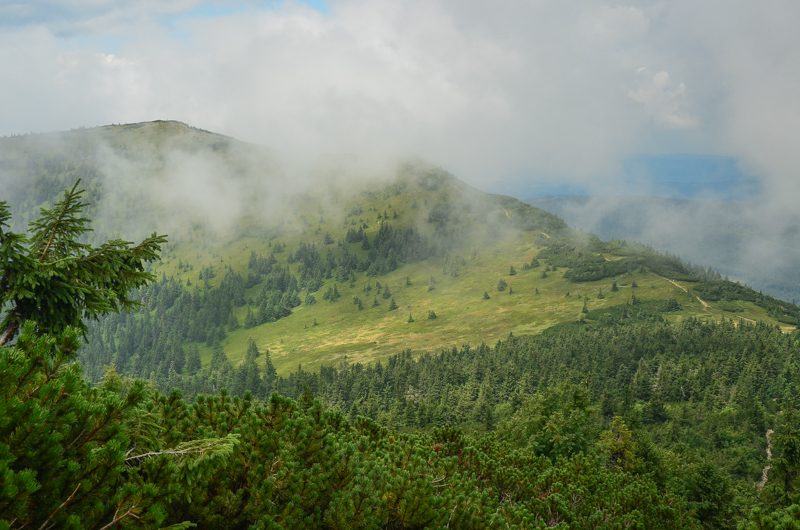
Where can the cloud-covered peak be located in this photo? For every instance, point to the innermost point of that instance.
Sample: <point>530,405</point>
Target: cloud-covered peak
<point>491,91</point>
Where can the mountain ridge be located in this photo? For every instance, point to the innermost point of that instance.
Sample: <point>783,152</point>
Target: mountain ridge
<point>719,234</point>
<point>485,265</point>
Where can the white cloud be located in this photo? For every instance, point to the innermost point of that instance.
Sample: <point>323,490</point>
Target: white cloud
<point>492,91</point>
<point>664,100</point>
<point>488,90</point>
<point>621,25</point>
<point>112,61</point>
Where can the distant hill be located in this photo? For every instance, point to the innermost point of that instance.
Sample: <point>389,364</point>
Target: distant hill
<point>335,265</point>
<point>142,177</point>
<point>730,237</point>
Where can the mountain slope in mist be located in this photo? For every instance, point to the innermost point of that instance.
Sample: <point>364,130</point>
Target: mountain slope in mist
<point>142,177</point>
<point>730,237</point>
<point>339,262</point>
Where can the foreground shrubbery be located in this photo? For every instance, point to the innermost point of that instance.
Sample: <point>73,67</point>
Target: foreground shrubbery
<point>77,456</point>
<point>82,457</point>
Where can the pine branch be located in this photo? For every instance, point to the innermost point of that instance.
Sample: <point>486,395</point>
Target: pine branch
<point>121,517</point>
<point>8,333</point>
<point>44,524</point>
<point>208,447</point>
<point>159,453</point>
<point>59,281</point>
<point>68,200</point>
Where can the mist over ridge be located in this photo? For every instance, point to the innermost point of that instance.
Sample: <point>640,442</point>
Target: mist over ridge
<point>737,239</point>
<point>567,92</point>
<point>565,96</point>
<point>167,176</point>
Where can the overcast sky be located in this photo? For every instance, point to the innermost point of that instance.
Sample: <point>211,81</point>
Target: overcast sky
<point>490,90</point>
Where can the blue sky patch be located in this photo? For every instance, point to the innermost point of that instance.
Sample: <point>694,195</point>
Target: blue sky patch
<point>677,176</point>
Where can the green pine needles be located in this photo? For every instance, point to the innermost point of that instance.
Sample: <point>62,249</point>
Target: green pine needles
<point>58,281</point>
<point>73,456</point>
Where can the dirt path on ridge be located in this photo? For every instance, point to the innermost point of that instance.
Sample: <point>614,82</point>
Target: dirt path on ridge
<point>685,290</point>
<point>702,302</point>
<point>766,469</point>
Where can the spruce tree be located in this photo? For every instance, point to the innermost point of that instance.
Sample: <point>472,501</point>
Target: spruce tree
<point>392,305</point>
<point>54,279</point>
<point>250,320</point>
<point>193,364</point>
<point>784,476</point>
<point>270,374</point>
<point>357,301</point>
<point>73,455</point>
<point>252,351</point>
<point>177,357</point>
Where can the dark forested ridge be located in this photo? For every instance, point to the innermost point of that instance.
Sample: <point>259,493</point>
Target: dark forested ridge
<point>658,394</point>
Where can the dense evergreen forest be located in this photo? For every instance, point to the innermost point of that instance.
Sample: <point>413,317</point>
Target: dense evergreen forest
<point>618,419</point>
<point>697,399</point>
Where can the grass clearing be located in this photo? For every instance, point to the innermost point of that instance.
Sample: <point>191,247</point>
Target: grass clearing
<point>529,304</point>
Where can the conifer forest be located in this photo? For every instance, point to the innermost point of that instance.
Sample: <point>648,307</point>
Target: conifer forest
<point>411,353</point>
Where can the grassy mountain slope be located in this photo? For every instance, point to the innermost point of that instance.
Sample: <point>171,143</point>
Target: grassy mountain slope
<point>463,315</point>
<point>733,238</point>
<point>468,241</point>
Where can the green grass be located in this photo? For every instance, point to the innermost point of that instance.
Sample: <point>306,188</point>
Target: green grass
<point>343,331</point>
<point>375,333</point>
<point>464,317</point>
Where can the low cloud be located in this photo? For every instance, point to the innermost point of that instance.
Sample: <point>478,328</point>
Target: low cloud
<point>664,100</point>
<point>487,91</point>
<point>525,91</point>
<point>736,239</point>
